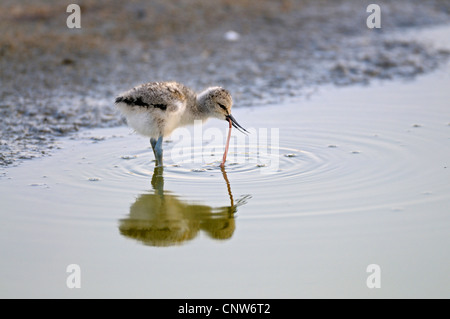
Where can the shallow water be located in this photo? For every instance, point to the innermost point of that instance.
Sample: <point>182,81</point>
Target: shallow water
<point>360,176</point>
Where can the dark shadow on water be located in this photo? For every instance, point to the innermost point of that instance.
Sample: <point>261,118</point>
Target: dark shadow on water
<point>163,219</point>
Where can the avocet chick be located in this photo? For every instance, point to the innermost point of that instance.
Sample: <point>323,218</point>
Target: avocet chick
<point>155,109</point>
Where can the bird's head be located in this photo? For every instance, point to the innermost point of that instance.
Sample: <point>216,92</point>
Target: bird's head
<point>218,102</point>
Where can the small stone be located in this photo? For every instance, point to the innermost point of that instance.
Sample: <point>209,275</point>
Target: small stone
<point>232,36</point>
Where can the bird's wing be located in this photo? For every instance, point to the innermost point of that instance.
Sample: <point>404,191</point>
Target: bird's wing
<point>165,96</point>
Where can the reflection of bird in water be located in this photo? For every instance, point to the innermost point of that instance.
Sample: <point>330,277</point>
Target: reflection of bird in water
<point>163,219</point>
<point>155,109</point>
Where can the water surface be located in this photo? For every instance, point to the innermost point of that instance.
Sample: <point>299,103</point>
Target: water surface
<point>362,178</point>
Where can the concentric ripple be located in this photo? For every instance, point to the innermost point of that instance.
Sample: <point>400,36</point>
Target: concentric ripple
<point>314,170</point>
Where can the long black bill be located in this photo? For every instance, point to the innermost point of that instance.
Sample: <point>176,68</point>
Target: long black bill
<point>236,124</point>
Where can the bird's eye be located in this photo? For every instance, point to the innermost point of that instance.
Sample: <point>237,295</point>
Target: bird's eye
<point>223,106</point>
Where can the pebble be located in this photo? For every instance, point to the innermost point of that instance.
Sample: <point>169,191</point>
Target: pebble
<point>232,36</point>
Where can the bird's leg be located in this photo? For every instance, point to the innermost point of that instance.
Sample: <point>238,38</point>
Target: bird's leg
<point>158,151</point>
<point>153,144</point>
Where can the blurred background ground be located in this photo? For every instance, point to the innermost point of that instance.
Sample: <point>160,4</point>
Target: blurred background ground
<point>55,80</point>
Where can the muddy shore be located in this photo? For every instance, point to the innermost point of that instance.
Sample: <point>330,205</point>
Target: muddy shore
<point>55,80</point>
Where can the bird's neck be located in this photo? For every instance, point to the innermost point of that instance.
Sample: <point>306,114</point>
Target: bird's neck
<point>200,110</point>
<point>195,111</point>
